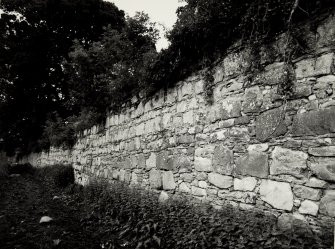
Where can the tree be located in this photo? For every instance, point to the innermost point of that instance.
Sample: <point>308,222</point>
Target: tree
<point>32,51</point>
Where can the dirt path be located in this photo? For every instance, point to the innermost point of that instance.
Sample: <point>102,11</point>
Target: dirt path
<point>23,201</point>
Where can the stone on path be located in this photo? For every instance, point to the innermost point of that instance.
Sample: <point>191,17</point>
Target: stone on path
<point>45,219</point>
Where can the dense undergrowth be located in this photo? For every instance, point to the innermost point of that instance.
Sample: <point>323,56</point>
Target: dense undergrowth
<point>122,217</point>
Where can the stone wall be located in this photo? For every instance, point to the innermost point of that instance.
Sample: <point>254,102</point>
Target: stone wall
<point>267,142</point>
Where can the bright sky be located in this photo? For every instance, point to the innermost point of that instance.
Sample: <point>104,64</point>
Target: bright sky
<point>160,11</point>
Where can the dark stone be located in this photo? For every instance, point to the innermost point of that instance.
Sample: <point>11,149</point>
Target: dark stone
<point>253,164</point>
<point>242,120</point>
<point>324,168</point>
<point>270,124</point>
<point>314,123</point>
<point>223,160</point>
<point>163,161</point>
<point>186,139</point>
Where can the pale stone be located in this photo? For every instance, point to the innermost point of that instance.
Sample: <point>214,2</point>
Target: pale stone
<point>202,184</point>
<point>254,164</point>
<point>258,147</point>
<point>163,197</point>
<point>324,168</point>
<point>287,222</point>
<point>231,109</point>
<point>188,118</point>
<point>199,86</point>
<point>327,204</point>
<point>184,188</point>
<point>168,180</point>
<point>151,161</point>
<point>198,191</point>
<point>316,183</point>
<point>322,151</point>
<point>223,160</point>
<point>307,193</point>
<point>253,100</point>
<point>122,175</point>
<point>155,179</point>
<point>45,219</point>
<point>134,179</point>
<point>309,207</point>
<point>203,164</point>
<point>277,194</point>
<point>286,161</point>
<point>245,184</point>
<point>220,181</point>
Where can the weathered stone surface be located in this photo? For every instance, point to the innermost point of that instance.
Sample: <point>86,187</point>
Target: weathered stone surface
<point>286,161</point>
<point>258,147</point>
<point>203,164</point>
<point>231,109</point>
<point>253,100</point>
<point>182,162</point>
<point>141,162</point>
<point>151,161</point>
<point>245,184</point>
<point>254,164</point>
<point>316,183</point>
<point>236,63</point>
<point>289,222</point>
<point>45,219</point>
<point>322,151</point>
<point>270,124</point>
<point>307,193</point>
<point>277,194</point>
<point>163,162</point>
<point>184,187</point>
<point>155,179</point>
<point>315,66</point>
<point>326,32</point>
<point>324,168</point>
<point>223,160</point>
<point>318,122</point>
<point>202,184</point>
<point>198,191</point>
<point>220,181</point>
<point>168,180</point>
<point>327,204</point>
<point>309,207</point>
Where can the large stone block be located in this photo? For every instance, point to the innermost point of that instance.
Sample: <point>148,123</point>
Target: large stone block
<point>318,122</point>
<point>307,193</point>
<point>322,151</point>
<point>223,160</point>
<point>203,164</point>
<point>270,124</point>
<point>277,194</point>
<point>198,191</point>
<point>273,74</point>
<point>184,187</point>
<point>324,168</point>
<point>220,181</point>
<point>327,204</point>
<point>231,109</point>
<point>286,161</point>
<point>155,179</point>
<point>253,164</point>
<point>236,63</point>
<point>168,180</point>
<point>322,65</point>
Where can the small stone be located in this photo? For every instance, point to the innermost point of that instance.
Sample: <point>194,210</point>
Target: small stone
<point>220,181</point>
<point>316,183</point>
<point>184,188</point>
<point>258,147</point>
<point>151,161</point>
<point>245,184</point>
<point>155,179</point>
<point>307,193</point>
<point>202,184</point>
<point>277,194</point>
<point>309,207</point>
<point>163,197</point>
<point>198,191</point>
<point>45,219</point>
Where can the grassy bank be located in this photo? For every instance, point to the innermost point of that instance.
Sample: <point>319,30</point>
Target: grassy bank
<point>116,216</point>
